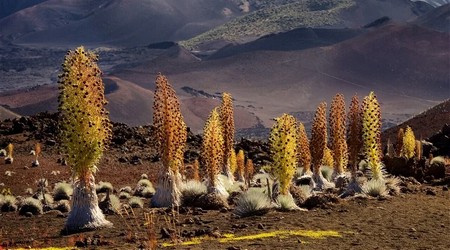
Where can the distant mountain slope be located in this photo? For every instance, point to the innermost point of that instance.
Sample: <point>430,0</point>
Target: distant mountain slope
<point>437,19</point>
<point>8,7</point>
<point>406,65</point>
<point>425,124</point>
<point>7,114</point>
<point>114,22</point>
<point>434,3</point>
<point>297,39</point>
<point>311,13</point>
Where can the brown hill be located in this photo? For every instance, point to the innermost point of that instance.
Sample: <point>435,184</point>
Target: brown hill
<point>7,114</point>
<point>406,65</point>
<point>437,19</point>
<point>425,124</point>
<point>114,22</point>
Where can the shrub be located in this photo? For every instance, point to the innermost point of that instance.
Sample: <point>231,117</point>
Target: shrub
<point>438,160</point>
<point>286,203</point>
<point>148,192</point>
<point>375,188</point>
<point>8,203</point>
<point>104,187</point>
<point>136,202</point>
<point>31,205</point>
<point>192,190</point>
<point>63,206</point>
<point>144,176</point>
<point>115,203</point>
<point>144,183</point>
<point>124,195</point>
<point>126,189</point>
<point>44,196</point>
<point>29,191</point>
<point>393,185</point>
<point>252,202</point>
<point>327,172</point>
<point>62,191</point>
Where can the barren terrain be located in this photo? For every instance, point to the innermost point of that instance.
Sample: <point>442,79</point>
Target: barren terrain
<point>417,218</point>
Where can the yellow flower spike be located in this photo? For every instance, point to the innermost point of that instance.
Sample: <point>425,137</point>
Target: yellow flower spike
<point>85,126</point>
<point>170,129</point>
<point>240,163</point>
<point>371,131</point>
<point>249,170</point>
<point>9,150</point>
<point>354,132</point>
<point>303,151</point>
<point>409,143</point>
<point>233,162</point>
<point>338,134</point>
<point>195,168</point>
<point>227,121</point>
<point>37,149</point>
<point>327,159</point>
<point>318,137</point>
<point>212,148</point>
<point>419,149</point>
<point>399,146</point>
<point>283,147</point>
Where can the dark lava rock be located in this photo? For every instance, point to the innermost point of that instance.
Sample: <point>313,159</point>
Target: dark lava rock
<point>50,142</point>
<point>166,233</point>
<point>430,192</point>
<point>320,201</point>
<point>211,202</point>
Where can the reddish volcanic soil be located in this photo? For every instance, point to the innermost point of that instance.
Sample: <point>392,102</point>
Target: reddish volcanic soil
<point>418,218</point>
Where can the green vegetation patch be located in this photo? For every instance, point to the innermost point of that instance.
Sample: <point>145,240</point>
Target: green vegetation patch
<point>272,19</point>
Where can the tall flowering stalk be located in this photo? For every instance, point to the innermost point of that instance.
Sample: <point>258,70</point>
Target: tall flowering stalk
<point>338,134</point>
<point>371,131</point>
<point>227,121</point>
<point>283,147</point>
<point>354,134</point>
<point>303,151</point>
<point>171,134</point>
<point>85,133</point>
<point>212,152</point>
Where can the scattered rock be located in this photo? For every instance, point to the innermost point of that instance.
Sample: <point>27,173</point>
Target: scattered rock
<point>166,233</point>
<point>50,142</point>
<point>321,201</point>
<point>430,192</point>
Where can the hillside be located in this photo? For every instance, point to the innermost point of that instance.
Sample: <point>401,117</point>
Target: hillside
<point>69,23</point>
<point>315,14</point>
<point>437,19</point>
<point>389,59</point>
<point>424,124</point>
